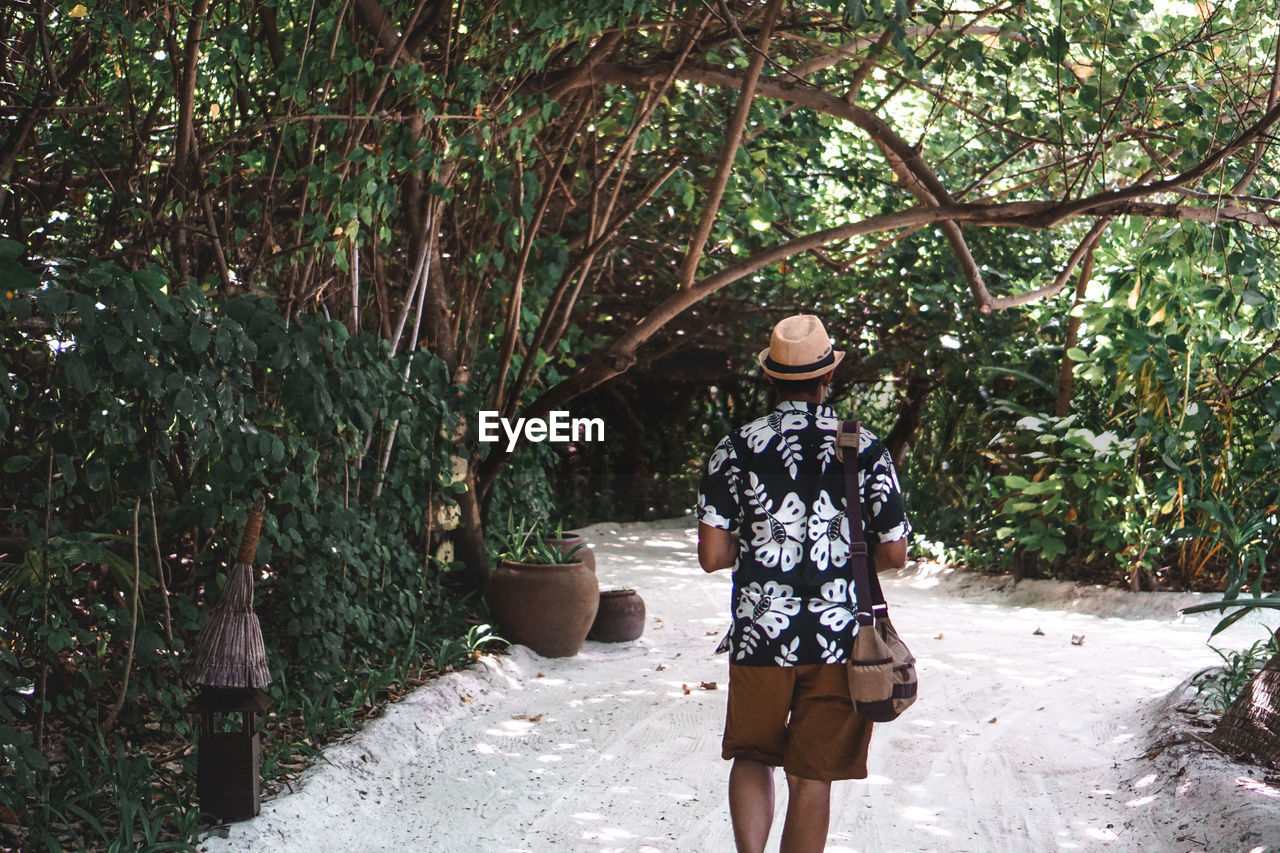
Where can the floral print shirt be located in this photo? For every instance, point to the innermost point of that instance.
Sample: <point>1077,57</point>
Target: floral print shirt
<point>777,482</point>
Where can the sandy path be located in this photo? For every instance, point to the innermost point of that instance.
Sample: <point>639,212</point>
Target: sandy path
<point>1020,742</point>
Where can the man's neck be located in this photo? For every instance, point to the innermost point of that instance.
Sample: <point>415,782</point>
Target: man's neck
<point>815,397</point>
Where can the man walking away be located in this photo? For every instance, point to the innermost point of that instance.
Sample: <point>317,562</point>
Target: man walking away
<point>771,508</point>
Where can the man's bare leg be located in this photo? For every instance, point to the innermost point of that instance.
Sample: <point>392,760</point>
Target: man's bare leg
<point>808,814</point>
<point>751,804</point>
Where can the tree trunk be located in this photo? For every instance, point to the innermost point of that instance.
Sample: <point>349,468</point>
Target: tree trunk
<point>903,435</point>
<point>1066,373</point>
<point>1252,724</point>
<point>469,539</point>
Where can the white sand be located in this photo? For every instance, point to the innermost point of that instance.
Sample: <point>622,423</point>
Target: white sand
<point>1020,742</point>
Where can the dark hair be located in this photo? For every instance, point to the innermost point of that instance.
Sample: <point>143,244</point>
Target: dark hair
<point>797,386</point>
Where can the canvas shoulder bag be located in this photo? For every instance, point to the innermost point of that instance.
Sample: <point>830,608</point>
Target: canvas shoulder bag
<point>882,670</point>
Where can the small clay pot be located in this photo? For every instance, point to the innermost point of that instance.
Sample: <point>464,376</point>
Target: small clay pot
<point>620,617</point>
<point>547,607</point>
<point>568,542</point>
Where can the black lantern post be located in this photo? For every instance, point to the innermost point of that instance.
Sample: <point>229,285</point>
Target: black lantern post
<point>230,663</point>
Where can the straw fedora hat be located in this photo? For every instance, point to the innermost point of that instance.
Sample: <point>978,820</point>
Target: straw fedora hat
<point>799,349</point>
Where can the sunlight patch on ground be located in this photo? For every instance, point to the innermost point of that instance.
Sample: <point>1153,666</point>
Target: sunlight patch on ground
<point>1258,787</point>
<point>918,813</point>
<point>608,751</point>
<point>661,543</point>
<point>509,728</point>
<point>608,833</point>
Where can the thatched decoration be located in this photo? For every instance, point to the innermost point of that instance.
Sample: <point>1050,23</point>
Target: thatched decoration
<point>1251,726</point>
<point>229,650</point>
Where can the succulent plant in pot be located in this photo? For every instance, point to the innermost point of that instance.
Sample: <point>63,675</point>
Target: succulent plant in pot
<point>540,595</point>
<point>572,543</point>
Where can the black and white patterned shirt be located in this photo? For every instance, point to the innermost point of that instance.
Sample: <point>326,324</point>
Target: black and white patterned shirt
<point>777,482</point>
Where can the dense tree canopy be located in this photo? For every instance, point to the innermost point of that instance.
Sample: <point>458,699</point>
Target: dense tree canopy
<point>297,246</point>
<point>532,166</point>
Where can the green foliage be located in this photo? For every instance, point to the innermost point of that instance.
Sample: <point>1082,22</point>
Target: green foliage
<point>205,279</point>
<point>1161,466</point>
<point>104,797</point>
<point>527,543</point>
<point>1219,686</point>
<point>137,397</point>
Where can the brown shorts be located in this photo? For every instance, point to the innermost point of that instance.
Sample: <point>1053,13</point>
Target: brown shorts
<point>796,717</point>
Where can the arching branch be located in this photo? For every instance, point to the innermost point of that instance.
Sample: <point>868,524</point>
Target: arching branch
<point>620,354</point>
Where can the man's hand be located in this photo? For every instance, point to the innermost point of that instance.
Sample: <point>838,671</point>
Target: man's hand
<point>891,555</point>
<point>717,549</point>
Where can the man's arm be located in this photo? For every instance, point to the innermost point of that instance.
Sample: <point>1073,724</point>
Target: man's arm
<point>891,555</point>
<point>717,549</point>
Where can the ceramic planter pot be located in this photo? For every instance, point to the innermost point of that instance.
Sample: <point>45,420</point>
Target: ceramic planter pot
<point>568,542</point>
<point>548,608</point>
<point>620,617</point>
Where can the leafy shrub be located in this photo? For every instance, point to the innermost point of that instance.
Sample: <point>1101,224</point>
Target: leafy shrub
<point>1219,686</point>
<point>1161,468</point>
<point>139,421</point>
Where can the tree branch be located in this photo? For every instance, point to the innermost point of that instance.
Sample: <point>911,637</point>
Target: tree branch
<point>1243,184</point>
<point>76,63</point>
<point>688,268</point>
<point>1083,250</point>
<point>880,132</point>
<point>1066,372</point>
<point>620,354</point>
<point>186,96</point>
<point>118,705</point>
<point>378,23</point>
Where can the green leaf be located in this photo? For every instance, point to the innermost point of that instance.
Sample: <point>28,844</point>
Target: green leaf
<point>17,463</point>
<point>15,276</point>
<point>1057,46</point>
<point>76,371</point>
<point>200,337</point>
<point>52,300</point>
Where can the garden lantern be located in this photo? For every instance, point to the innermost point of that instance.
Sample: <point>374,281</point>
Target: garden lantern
<point>229,662</point>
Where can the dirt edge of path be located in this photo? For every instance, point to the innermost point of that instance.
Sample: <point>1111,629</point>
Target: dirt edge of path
<point>1194,797</point>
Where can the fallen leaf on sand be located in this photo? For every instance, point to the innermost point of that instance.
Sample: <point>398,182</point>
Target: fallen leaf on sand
<point>465,698</point>
<point>1077,639</point>
<point>685,688</point>
<point>709,685</point>
<point>1037,632</point>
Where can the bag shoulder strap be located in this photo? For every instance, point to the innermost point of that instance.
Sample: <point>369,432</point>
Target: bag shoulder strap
<point>866,584</point>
